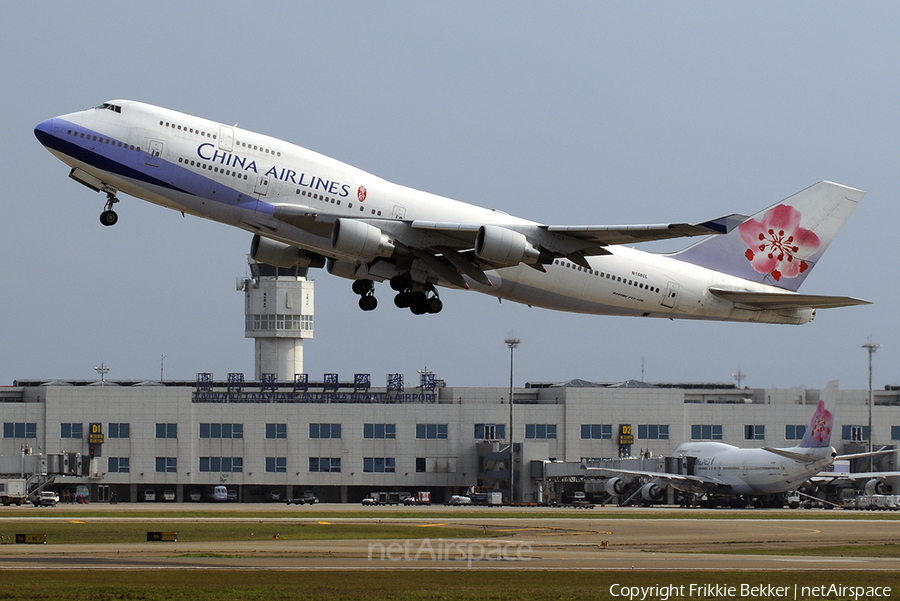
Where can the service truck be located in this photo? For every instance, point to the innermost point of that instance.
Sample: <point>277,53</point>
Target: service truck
<point>12,491</point>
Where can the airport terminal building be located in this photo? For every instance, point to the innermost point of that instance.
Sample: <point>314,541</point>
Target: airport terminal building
<point>345,439</point>
<point>282,433</point>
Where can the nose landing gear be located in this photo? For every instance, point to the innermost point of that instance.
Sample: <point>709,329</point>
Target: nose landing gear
<point>108,216</point>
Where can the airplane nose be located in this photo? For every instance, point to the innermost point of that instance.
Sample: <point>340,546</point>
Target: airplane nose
<point>43,131</point>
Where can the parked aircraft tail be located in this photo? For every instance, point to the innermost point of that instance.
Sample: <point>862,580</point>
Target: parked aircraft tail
<point>780,245</point>
<point>818,433</point>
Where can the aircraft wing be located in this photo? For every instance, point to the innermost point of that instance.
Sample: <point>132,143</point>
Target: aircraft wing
<point>784,300</point>
<point>452,244</point>
<point>682,482</point>
<point>597,236</point>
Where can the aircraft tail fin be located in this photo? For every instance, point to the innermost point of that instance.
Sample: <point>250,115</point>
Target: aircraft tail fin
<point>779,245</point>
<point>818,433</point>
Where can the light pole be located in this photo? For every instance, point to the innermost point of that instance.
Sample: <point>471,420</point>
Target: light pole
<point>871,348</point>
<point>512,343</point>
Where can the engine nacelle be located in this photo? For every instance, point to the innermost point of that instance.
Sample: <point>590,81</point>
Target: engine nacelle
<point>342,269</point>
<point>652,492</point>
<point>280,254</point>
<point>353,237</point>
<point>878,487</point>
<point>501,246</point>
<point>616,486</point>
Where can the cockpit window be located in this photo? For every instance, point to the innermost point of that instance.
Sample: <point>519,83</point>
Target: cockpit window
<point>112,107</point>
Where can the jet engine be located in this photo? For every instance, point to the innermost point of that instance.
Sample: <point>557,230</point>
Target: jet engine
<point>501,246</point>
<point>359,239</point>
<point>652,492</point>
<point>616,486</point>
<point>878,487</point>
<point>280,254</point>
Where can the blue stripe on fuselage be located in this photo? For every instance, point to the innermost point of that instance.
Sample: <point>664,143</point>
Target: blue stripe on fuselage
<point>183,180</point>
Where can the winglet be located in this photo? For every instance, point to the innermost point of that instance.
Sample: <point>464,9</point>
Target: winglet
<point>725,224</point>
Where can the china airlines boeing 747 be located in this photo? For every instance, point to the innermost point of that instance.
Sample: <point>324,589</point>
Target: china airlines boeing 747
<point>305,209</point>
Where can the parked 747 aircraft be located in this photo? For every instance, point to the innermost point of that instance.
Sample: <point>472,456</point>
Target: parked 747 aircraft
<point>309,210</point>
<point>717,469</point>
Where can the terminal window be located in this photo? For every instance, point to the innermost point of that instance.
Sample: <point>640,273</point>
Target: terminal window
<point>596,431</point>
<point>167,465</point>
<point>167,430</point>
<point>431,431</point>
<point>222,464</point>
<point>754,432</point>
<point>895,432</point>
<point>118,465</point>
<point>19,429</point>
<point>276,430</point>
<point>653,431</point>
<point>794,432</point>
<point>706,432</point>
<point>540,431</point>
<point>276,465</point>
<point>855,433</point>
<point>118,430</point>
<point>324,430</point>
<point>490,431</point>
<point>221,430</point>
<point>70,430</point>
<point>378,464</point>
<point>380,431</point>
<point>323,465</point>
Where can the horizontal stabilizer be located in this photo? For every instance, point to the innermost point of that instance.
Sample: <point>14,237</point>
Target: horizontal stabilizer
<point>780,300</point>
<point>799,457</point>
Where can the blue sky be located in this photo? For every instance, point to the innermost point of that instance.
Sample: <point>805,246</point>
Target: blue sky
<point>600,113</point>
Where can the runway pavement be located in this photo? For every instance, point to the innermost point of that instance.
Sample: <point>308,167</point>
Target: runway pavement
<point>529,539</point>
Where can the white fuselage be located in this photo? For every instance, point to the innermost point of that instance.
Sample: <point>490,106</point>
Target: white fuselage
<point>753,471</point>
<point>237,177</point>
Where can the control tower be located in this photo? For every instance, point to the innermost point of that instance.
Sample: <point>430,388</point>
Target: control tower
<point>278,310</point>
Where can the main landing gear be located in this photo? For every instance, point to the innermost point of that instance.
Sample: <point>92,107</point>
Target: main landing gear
<point>108,216</point>
<point>418,298</point>
<point>418,302</point>
<point>366,291</point>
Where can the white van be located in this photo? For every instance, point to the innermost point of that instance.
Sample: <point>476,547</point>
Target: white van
<point>220,494</point>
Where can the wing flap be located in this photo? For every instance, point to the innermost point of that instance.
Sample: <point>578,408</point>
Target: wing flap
<point>783,300</point>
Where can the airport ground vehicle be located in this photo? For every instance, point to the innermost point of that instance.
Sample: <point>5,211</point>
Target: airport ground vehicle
<point>13,491</point>
<point>423,497</point>
<point>47,498</point>
<point>386,498</point>
<point>307,498</point>
<point>149,495</point>
<point>195,495</point>
<point>168,495</point>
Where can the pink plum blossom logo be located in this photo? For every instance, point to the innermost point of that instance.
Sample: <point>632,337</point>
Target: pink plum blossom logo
<point>821,424</point>
<point>361,193</point>
<point>778,245</point>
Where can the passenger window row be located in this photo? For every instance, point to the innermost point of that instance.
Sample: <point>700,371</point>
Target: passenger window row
<point>327,199</point>
<point>212,168</point>
<point>102,140</point>
<point>608,276</point>
<point>188,129</point>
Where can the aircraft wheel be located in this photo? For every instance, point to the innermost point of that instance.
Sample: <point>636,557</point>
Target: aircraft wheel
<point>401,301</point>
<point>401,282</point>
<point>368,303</point>
<point>108,217</point>
<point>434,305</point>
<point>362,287</point>
<point>418,303</point>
